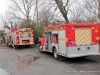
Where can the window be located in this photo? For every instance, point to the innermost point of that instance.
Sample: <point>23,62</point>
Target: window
<point>55,38</point>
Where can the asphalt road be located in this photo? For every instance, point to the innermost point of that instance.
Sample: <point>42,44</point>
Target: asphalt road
<point>45,64</point>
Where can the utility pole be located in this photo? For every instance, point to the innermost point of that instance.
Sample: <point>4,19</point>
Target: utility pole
<point>37,17</point>
<point>99,10</point>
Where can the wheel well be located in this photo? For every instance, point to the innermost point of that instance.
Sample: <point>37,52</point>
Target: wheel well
<point>53,48</point>
<point>39,42</point>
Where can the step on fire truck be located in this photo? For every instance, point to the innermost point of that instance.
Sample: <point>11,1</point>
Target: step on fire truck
<point>20,37</point>
<point>71,40</point>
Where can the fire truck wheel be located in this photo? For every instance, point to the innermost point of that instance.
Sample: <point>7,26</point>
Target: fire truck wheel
<point>56,56</point>
<point>40,48</point>
<point>13,45</point>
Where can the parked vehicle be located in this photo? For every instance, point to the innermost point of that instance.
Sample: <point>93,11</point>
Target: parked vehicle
<point>71,40</point>
<point>19,37</point>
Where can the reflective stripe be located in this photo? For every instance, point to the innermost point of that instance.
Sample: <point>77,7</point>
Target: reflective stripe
<point>63,39</point>
<point>83,36</point>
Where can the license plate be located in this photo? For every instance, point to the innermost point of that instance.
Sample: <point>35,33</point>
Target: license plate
<point>83,48</point>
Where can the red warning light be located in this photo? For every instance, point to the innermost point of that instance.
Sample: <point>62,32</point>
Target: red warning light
<point>96,31</point>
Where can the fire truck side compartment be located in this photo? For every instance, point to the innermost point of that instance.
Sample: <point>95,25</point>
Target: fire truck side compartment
<point>62,43</point>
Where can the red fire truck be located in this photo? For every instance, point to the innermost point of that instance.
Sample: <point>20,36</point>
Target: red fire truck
<point>71,40</point>
<point>19,37</point>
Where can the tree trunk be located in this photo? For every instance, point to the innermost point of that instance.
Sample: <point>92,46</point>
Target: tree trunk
<point>62,10</point>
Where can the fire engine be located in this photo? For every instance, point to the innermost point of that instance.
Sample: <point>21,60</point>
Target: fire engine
<point>19,37</point>
<point>70,40</point>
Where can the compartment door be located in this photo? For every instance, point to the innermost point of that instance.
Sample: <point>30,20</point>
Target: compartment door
<point>62,42</point>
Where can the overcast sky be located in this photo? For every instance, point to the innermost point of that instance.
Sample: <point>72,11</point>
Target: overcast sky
<point>3,6</point>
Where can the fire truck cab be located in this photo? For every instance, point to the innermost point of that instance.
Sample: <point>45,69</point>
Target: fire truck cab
<point>19,37</point>
<point>71,40</point>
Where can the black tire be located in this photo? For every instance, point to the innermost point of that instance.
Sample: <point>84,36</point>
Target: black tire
<point>13,46</point>
<point>27,46</point>
<point>56,56</point>
<point>40,48</point>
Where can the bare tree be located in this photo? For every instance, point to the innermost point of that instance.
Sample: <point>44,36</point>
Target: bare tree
<point>23,7</point>
<point>77,14</point>
<point>8,20</point>
<point>46,16</point>
<point>63,7</point>
<point>91,8</point>
<point>49,12</point>
<point>88,11</point>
